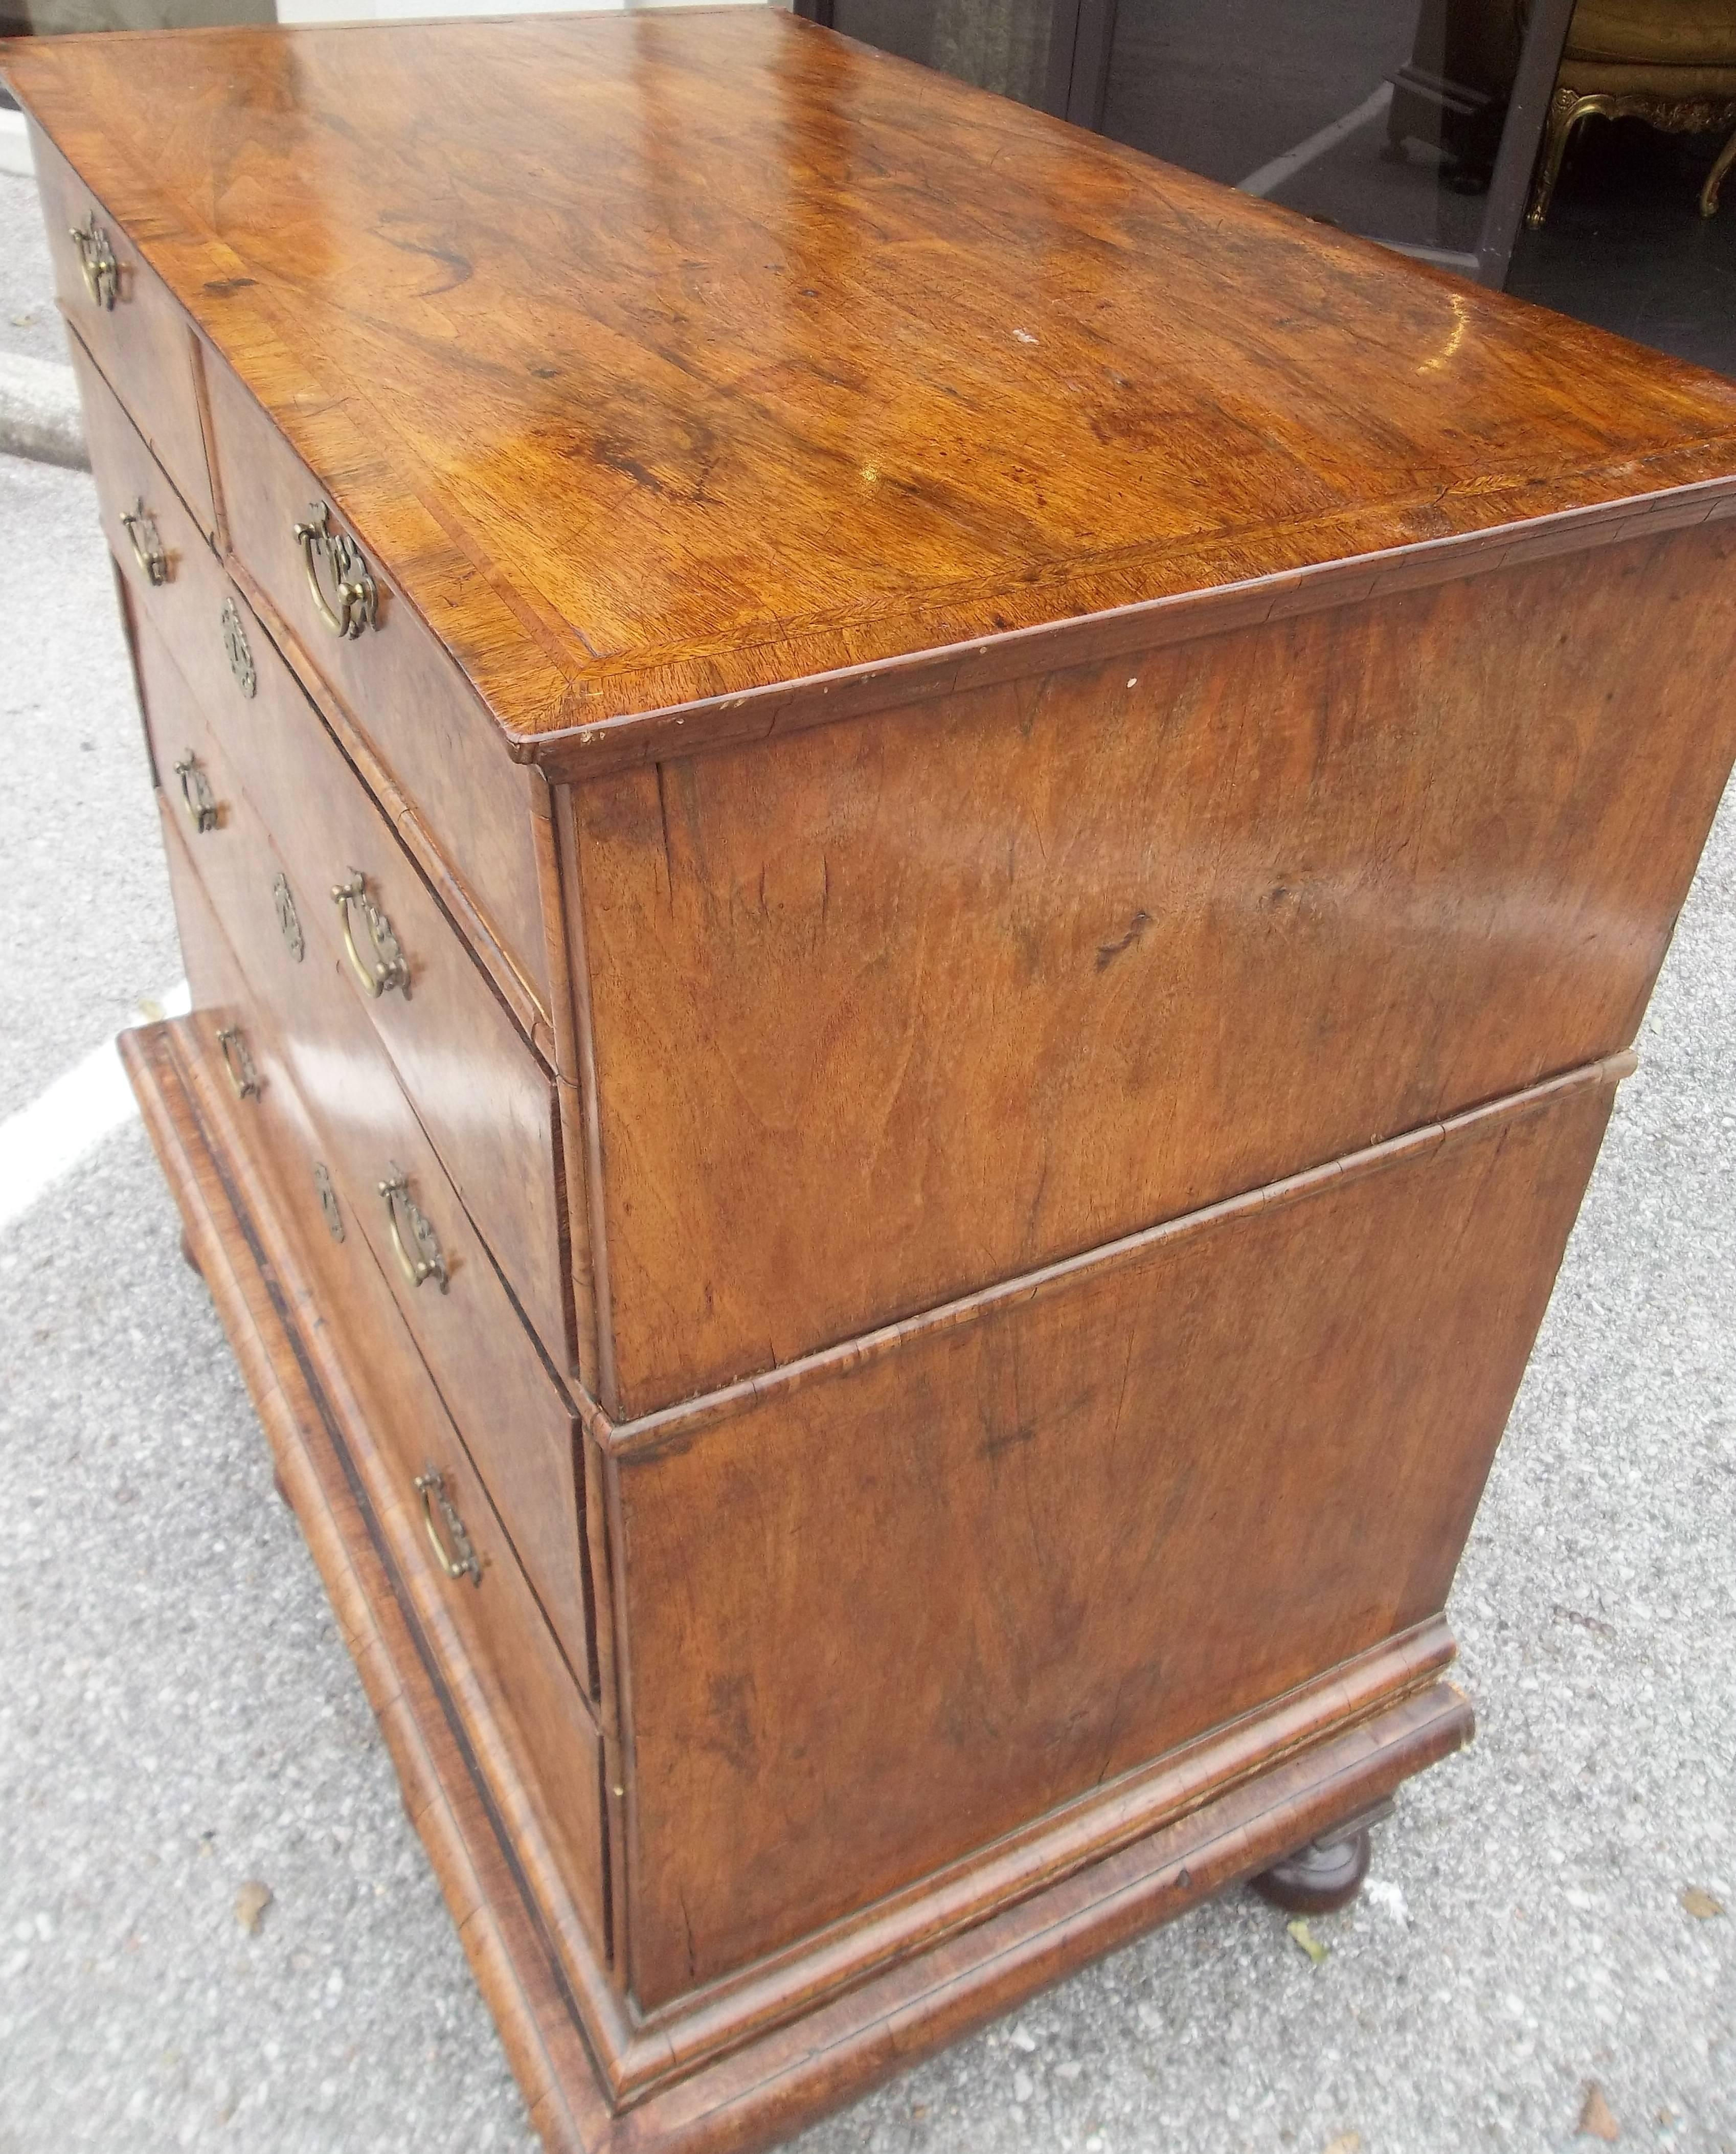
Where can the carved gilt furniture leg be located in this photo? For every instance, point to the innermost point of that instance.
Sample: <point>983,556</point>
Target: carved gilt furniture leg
<point>1328,1873</point>
<point>1714,178</point>
<point>1567,107</point>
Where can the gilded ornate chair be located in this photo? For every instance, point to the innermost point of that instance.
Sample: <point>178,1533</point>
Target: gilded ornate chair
<point>1670,63</point>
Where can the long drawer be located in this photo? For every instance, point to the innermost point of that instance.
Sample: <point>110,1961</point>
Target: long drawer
<point>500,1630</point>
<point>486,1101</point>
<point>306,1028</point>
<point>399,685</point>
<point>124,312</point>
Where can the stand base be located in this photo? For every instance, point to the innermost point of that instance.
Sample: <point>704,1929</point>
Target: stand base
<point>601,2078</point>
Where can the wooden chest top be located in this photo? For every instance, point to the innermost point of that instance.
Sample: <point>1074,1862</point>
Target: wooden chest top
<point>669,359</point>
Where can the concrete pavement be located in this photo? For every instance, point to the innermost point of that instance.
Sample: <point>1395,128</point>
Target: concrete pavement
<point>178,1720</point>
<point>39,414</point>
<point>29,324</point>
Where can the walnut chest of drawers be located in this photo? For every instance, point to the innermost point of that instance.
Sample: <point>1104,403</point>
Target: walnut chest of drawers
<point>915,861</point>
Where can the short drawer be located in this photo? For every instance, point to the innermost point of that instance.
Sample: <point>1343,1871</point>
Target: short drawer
<point>401,690</point>
<point>430,1494</point>
<point>305,1031</point>
<point>486,1101</point>
<point>147,349</point>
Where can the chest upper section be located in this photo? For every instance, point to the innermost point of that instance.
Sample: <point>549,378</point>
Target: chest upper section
<point>668,357</point>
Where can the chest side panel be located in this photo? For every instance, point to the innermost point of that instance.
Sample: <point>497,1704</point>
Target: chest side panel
<point>887,1010</point>
<point>893,1611</point>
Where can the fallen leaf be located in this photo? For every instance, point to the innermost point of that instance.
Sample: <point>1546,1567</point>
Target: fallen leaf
<point>1597,2119</point>
<point>1347,2142</point>
<point>251,1902</point>
<point>1702,1905</point>
<point>1305,1940</point>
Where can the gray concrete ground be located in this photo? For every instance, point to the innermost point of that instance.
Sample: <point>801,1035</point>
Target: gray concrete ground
<point>28,323</point>
<point>178,1719</point>
<point>39,414</point>
<point>84,915</point>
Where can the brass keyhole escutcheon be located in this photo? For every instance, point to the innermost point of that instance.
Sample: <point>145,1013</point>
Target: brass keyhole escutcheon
<point>199,801</point>
<point>415,1243</point>
<point>384,964</point>
<point>238,1063</point>
<point>148,550</point>
<point>239,651</point>
<point>96,260</point>
<point>329,1208</point>
<point>288,919</point>
<point>334,563</point>
<point>460,1559</point>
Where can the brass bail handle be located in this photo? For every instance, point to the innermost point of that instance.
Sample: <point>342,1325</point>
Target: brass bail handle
<point>355,601</point>
<point>148,551</point>
<point>96,260</point>
<point>238,1063</point>
<point>460,1559</point>
<point>201,802</point>
<point>420,1258</point>
<point>387,966</point>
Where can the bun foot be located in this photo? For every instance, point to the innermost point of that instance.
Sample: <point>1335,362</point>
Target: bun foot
<point>1327,1874</point>
<point>187,1258</point>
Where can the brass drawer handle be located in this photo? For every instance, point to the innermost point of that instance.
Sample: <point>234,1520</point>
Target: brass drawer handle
<point>464,1564</point>
<point>140,527</point>
<point>96,258</point>
<point>388,966</point>
<point>237,650</point>
<point>196,793</point>
<point>355,601</point>
<point>403,1215</point>
<point>238,1063</point>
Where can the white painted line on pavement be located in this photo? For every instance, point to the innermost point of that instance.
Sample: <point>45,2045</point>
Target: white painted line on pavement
<point>45,1141</point>
<point>15,155</point>
<point>1268,176</point>
<point>39,413</point>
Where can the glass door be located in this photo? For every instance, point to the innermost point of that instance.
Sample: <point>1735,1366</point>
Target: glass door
<point>1415,122</point>
<point>1004,45</point>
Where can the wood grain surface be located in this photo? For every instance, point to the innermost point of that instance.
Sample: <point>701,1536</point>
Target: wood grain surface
<point>883,1011</point>
<point>398,688</point>
<point>304,1034</point>
<point>143,339</point>
<point>481,1721</point>
<point>671,356</point>
<point>1114,771</point>
<point>575,2053</point>
<point>486,1101</point>
<point>901,1607</point>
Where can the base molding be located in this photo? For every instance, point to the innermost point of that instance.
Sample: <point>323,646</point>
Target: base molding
<point>1347,1743</point>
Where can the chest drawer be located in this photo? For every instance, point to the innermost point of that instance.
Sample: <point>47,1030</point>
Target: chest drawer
<point>505,1660</point>
<point>401,691</point>
<point>484,1098</point>
<point>123,313</point>
<point>305,1031</point>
